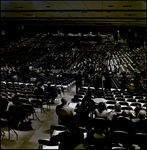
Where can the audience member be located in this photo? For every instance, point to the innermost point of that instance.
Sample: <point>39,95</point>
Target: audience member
<point>141,116</point>
<point>135,112</point>
<point>15,112</point>
<point>102,112</point>
<point>69,139</point>
<point>65,113</point>
<point>3,107</point>
<point>117,110</point>
<point>99,138</point>
<point>126,114</point>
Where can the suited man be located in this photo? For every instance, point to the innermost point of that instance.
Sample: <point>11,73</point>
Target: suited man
<point>78,81</point>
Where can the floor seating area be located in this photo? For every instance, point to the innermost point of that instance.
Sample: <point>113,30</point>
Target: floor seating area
<point>56,63</point>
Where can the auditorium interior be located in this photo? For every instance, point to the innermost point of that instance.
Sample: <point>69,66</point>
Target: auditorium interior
<point>48,43</point>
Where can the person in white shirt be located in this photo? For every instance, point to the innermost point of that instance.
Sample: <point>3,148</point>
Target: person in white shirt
<point>101,111</point>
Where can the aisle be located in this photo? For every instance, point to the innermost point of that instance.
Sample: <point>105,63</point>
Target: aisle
<point>41,128</point>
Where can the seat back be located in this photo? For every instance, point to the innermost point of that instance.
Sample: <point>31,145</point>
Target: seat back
<point>122,137</point>
<point>99,123</point>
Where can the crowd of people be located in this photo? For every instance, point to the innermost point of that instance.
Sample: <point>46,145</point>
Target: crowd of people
<point>79,121</point>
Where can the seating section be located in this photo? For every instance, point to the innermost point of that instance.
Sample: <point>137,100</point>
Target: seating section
<point>38,59</point>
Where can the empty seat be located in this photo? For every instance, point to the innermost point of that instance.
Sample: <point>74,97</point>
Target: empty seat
<point>131,100</point>
<point>110,102</point>
<point>128,96</point>
<point>120,99</point>
<point>123,103</point>
<point>109,98</point>
<point>127,108</point>
<point>138,97</point>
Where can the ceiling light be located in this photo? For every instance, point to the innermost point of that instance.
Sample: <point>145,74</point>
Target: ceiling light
<point>83,11</point>
<point>130,14</point>
<point>127,6</point>
<point>19,7</point>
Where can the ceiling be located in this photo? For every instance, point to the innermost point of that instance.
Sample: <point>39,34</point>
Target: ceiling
<point>74,13</point>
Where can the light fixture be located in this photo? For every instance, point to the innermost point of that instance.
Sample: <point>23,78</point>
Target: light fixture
<point>19,7</point>
<point>127,5</point>
<point>47,6</point>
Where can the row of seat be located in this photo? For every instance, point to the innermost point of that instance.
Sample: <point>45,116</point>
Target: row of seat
<point>126,99</point>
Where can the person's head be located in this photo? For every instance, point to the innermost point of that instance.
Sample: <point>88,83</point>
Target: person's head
<point>117,107</point>
<point>63,101</point>
<point>142,114</point>
<point>101,107</point>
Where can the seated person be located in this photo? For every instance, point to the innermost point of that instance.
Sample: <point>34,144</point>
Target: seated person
<point>102,112</point>
<point>141,116</point>
<point>135,112</point>
<point>122,122</point>
<point>131,87</point>
<point>126,114</point>
<point>68,139</point>
<point>140,126</point>
<point>15,112</point>
<point>3,106</point>
<point>64,112</point>
<point>99,138</point>
<point>14,102</point>
<point>117,111</point>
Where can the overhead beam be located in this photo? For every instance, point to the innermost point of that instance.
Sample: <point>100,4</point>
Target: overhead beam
<point>76,10</point>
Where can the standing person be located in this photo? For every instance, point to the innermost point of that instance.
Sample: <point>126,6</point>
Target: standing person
<point>107,81</point>
<point>136,82</point>
<point>97,82</point>
<point>123,81</point>
<point>78,81</point>
<point>50,92</point>
<point>141,82</point>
